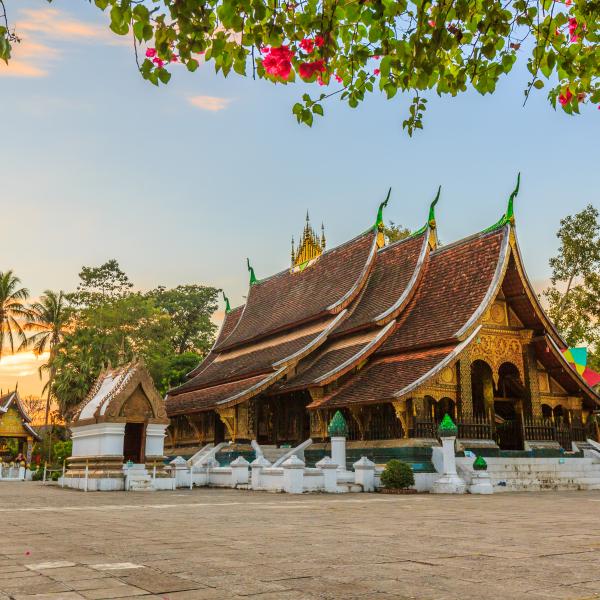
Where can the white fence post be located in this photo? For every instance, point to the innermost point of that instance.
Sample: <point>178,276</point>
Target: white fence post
<point>87,471</point>
<point>44,477</point>
<point>239,471</point>
<point>364,473</point>
<point>191,476</point>
<point>63,475</point>
<point>329,469</point>
<point>293,475</point>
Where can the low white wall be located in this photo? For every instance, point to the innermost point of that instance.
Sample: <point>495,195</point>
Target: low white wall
<point>106,484</point>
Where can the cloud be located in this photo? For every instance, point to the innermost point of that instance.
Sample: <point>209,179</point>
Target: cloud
<point>212,103</point>
<point>40,30</point>
<point>21,364</point>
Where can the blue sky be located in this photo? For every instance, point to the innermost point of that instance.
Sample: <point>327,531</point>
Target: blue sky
<point>97,163</point>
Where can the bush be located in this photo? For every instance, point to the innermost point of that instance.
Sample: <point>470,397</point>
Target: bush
<point>397,475</point>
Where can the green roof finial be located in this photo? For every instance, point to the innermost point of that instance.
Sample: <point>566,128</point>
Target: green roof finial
<point>447,427</point>
<point>338,427</point>
<point>479,464</point>
<point>431,219</point>
<point>227,305</point>
<point>510,216</point>
<point>253,279</point>
<point>379,221</point>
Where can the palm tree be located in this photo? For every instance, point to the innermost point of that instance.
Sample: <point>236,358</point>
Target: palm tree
<point>12,308</point>
<point>47,320</point>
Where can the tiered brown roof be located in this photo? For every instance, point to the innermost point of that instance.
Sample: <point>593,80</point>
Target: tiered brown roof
<point>405,309</point>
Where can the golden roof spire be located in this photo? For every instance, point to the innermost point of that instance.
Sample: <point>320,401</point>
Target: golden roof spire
<point>310,246</point>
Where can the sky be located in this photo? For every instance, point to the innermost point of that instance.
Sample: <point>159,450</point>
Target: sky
<point>181,183</point>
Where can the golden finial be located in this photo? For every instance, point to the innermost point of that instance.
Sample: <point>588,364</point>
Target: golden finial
<point>310,246</point>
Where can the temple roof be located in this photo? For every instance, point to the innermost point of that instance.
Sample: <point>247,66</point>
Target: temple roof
<point>289,297</point>
<point>375,320</point>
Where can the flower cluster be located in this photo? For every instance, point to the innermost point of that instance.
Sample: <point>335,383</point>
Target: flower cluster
<point>278,62</point>
<point>573,25</point>
<point>565,97</point>
<point>307,70</point>
<point>159,62</point>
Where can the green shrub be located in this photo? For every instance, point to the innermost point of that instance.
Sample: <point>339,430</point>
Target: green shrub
<point>62,451</point>
<point>55,475</point>
<point>37,475</point>
<point>397,475</point>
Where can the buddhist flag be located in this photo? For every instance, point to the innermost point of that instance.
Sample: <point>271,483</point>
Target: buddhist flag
<point>577,358</point>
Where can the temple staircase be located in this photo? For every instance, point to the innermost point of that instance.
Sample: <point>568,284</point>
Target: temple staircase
<point>537,474</point>
<point>137,479</point>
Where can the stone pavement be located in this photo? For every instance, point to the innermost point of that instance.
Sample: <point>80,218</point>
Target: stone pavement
<point>228,545</point>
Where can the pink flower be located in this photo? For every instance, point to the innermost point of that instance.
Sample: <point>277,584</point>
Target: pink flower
<point>319,40</point>
<point>307,45</point>
<point>339,79</point>
<point>307,70</point>
<point>566,97</point>
<point>158,62</point>
<point>151,52</point>
<point>320,80</point>
<point>265,50</point>
<point>568,2</point>
<point>376,71</point>
<point>376,57</point>
<point>278,62</point>
<point>573,24</point>
<point>174,58</point>
<point>431,23</point>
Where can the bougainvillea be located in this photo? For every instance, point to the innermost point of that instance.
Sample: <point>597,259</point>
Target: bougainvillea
<point>443,47</point>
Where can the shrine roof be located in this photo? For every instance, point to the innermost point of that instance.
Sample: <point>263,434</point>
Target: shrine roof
<point>112,388</point>
<point>393,279</point>
<point>458,282</point>
<point>385,378</point>
<point>13,399</point>
<point>292,297</point>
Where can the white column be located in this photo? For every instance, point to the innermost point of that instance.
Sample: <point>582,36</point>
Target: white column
<point>239,471</point>
<point>329,469</point>
<point>338,452</point>
<point>257,465</point>
<point>293,475</point>
<point>364,473</point>
<point>449,482</point>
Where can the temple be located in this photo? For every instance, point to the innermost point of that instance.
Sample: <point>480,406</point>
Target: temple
<point>394,335</point>
<point>15,425</point>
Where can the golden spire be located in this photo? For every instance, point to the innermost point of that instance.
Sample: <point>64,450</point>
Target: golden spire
<point>310,246</point>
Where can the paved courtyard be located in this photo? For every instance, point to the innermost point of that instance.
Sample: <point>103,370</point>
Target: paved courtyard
<point>228,545</point>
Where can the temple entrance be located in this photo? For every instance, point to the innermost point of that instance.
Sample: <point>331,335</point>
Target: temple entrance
<point>133,443</point>
<point>219,430</point>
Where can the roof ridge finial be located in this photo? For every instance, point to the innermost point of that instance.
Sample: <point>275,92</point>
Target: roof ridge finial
<point>226,300</point>
<point>510,215</point>
<point>379,221</point>
<point>431,219</point>
<point>253,279</point>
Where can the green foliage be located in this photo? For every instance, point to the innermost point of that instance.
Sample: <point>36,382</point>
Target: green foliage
<point>101,284</point>
<point>12,310</point>
<point>395,233</point>
<point>574,297</point>
<point>190,308</point>
<point>397,475</point>
<point>62,451</point>
<point>412,46</point>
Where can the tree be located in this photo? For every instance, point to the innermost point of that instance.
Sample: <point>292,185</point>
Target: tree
<point>573,297</point>
<point>395,233</point>
<point>101,284</point>
<point>190,308</point>
<point>12,308</point>
<point>355,47</point>
<point>47,320</point>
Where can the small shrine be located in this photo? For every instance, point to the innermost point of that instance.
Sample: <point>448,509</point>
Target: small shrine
<point>118,433</point>
<point>15,426</point>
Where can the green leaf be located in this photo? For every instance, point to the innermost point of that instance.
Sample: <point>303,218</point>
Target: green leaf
<point>192,64</point>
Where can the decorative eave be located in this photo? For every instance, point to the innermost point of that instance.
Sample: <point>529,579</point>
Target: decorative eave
<point>393,311</point>
<point>531,295</point>
<point>353,361</point>
<point>438,368</point>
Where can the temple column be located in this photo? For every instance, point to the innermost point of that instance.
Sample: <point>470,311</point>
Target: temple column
<point>532,381</point>
<point>466,391</point>
<point>29,449</point>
